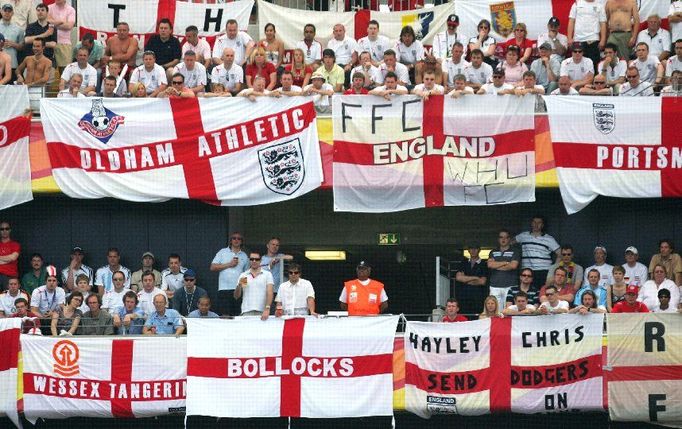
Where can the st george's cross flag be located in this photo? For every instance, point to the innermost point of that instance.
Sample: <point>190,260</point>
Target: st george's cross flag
<point>407,153</point>
<point>15,167</point>
<point>10,331</point>
<point>627,147</point>
<point>298,367</point>
<point>504,365</point>
<point>103,377</point>
<point>224,151</point>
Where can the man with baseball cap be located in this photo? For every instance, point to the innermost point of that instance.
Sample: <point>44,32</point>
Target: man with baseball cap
<point>321,92</point>
<point>443,41</point>
<point>636,273</point>
<point>605,270</point>
<point>558,42</point>
<point>13,34</point>
<point>148,260</point>
<point>546,68</point>
<point>186,299</point>
<point>363,296</point>
<point>630,305</point>
<point>76,267</point>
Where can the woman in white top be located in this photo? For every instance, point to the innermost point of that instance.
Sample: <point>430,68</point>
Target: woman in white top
<point>410,52</point>
<point>274,48</point>
<point>485,42</point>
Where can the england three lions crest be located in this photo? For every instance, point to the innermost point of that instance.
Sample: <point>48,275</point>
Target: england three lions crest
<point>282,167</point>
<point>604,117</point>
<point>100,122</point>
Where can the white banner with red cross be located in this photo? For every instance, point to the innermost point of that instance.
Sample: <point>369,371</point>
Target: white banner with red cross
<point>142,17</point>
<point>531,365</point>
<point>223,151</point>
<point>645,368</point>
<point>299,367</point>
<point>15,168</point>
<point>405,153</point>
<point>10,330</point>
<point>617,147</point>
<point>103,377</point>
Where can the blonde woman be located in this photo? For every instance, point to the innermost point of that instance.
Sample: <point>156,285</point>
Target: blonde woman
<point>139,90</point>
<point>299,69</point>
<point>490,308</point>
<point>274,48</point>
<point>259,66</point>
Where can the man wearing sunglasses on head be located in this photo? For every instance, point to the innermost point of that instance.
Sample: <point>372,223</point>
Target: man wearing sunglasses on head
<point>296,297</point>
<point>230,262</point>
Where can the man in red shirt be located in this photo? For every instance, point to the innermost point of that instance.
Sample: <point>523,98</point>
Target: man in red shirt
<point>630,305</point>
<point>358,85</point>
<point>9,255</point>
<point>451,310</point>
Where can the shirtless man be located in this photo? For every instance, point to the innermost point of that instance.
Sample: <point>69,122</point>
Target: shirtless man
<point>5,63</point>
<point>37,66</point>
<point>623,25</point>
<point>122,48</point>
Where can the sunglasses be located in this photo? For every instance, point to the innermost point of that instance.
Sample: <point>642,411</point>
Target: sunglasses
<point>190,280</point>
<point>175,82</point>
<point>254,259</point>
<point>578,51</point>
<point>5,229</point>
<point>599,82</point>
<point>294,272</point>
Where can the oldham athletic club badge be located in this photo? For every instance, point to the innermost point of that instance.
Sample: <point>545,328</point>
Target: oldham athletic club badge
<point>100,122</point>
<point>282,167</point>
<point>604,116</point>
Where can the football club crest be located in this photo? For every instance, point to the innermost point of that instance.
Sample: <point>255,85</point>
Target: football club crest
<point>420,23</point>
<point>282,167</point>
<point>604,117</point>
<point>100,122</point>
<point>503,18</point>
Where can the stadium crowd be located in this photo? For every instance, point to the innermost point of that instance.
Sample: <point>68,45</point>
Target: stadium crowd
<point>527,274</point>
<point>603,53</point>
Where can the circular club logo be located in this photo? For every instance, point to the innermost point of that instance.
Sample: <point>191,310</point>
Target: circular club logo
<point>66,356</point>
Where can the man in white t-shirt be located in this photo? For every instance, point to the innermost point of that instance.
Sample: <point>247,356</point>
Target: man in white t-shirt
<point>650,68</point>
<point>81,67</point>
<point>587,25</point>
<point>321,92</point>
<point>312,49</point>
<point>656,38</point>
<point>529,85</point>
<point>228,73</point>
<point>258,89</point>
<point>152,75</point>
<point>173,277</point>
<point>296,297</point>
<point>112,300</point>
<point>578,68</point>
<point>345,48</point>
<point>103,276</point>
<point>146,295</point>
<point>391,64</point>
<point>478,73</point>
<point>605,270</point>
<point>557,41</point>
<point>73,88</point>
<point>675,20</point>
<point>199,46</point>
<point>374,43</point>
<point>565,87</point>
<point>636,273</point>
<point>390,87</point>
<point>498,86</point>
<point>429,87</point>
<point>520,306</point>
<point>256,287</point>
<point>443,41</point>
<point>553,305</point>
<point>460,89</point>
<point>239,41</point>
<point>371,72</point>
<point>193,71</point>
<point>287,89</point>
<point>634,87</point>
<point>674,62</point>
<point>612,67</point>
<point>454,65</point>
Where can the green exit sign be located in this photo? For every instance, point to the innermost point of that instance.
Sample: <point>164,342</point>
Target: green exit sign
<point>389,239</point>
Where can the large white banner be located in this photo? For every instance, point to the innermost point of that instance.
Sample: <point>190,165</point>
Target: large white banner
<point>645,368</point>
<point>103,377</point>
<point>10,330</point>
<point>300,367</point>
<point>226,151</point>
<point>425,22</point>
<point>15,166</point>
<point>529,365</point>
<point>143,15</point>
<point>406,153</point>
<point>290,22</point>
<point>616,146</point>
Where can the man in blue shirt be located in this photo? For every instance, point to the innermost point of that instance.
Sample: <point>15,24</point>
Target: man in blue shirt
<point>130,318</point>
<point>163,320</point>
<point>230,261</point>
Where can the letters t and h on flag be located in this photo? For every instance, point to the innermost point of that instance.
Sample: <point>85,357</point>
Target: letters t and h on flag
<point>504,365</point>
<point>300,367</point>
<point>407,153</point>
<point>616,147</point>
<point>153,150</point>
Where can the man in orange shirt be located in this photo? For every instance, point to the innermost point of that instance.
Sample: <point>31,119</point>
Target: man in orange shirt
<point>363,296</point>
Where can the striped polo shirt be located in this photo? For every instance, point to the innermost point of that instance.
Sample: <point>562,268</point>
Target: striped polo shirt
<point>536,251</point>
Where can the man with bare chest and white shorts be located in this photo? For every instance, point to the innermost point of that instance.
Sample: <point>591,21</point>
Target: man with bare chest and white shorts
<point>623,25</point>
<point>37,66</point>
